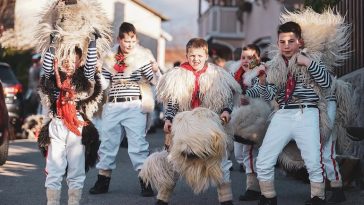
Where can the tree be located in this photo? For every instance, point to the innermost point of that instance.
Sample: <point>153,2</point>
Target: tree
<point>320,5</point>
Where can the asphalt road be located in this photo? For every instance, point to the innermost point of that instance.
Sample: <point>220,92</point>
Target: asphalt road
<point>22,182</point>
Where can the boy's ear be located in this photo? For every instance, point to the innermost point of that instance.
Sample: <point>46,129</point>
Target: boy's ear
<point>301,43</point>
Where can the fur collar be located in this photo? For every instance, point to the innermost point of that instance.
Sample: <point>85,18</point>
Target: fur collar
<point>137,58</point>
<point>217,88</point>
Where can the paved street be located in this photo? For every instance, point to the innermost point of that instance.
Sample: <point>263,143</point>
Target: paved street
<point>22,182</point>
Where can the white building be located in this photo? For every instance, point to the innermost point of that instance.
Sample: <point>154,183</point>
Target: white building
<point>230,24</point>
<point>147,21</point>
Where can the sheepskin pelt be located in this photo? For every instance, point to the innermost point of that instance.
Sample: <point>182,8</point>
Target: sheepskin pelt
<point>251,121</point>
<point>345,114</point>
<point>326,35</point>
<point>90,138</point>
<point>248,75</point>
<point>198,147</point>
<point>232,66</point>
<point>137,58</point>
<point>290,158</point>
<point>217,88</point>
<point>32,126</point>
<point>89,93</point>
<point>277,73</point>
<point>159,172</point>
<point>74,25</point>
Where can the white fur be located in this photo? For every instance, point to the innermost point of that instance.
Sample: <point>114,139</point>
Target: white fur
<point>199,132</point>
<point>290,157</point>
<point>217,87</point>
<point>158,172</point>
<point>251,121</point>
<point>75,30</point>
<point>326,34</point>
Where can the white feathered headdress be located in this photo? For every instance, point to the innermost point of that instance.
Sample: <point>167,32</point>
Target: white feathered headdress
<point>74,25</point>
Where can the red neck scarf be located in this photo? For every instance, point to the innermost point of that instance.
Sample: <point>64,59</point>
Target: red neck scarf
<point>66,107</point>
<point>120,64</point>
<point>196,102</point>
<point>239,78</point>
<point>290,84</point>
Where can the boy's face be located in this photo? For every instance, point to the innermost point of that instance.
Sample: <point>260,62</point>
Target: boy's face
<point>288,44</point>
<point>127,44</point>
<point>196,57</point>
<point>67,67</point>
<point>248,58</point>
<point>77,61</point>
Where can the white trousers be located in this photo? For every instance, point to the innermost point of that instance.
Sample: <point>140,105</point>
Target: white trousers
<point>66,151</point>
<point>250,153</point>
<point>328,149</point>
<point>225,166</point>
<point>299,125</point>
<point>117,118</point>
<point>238,152</point>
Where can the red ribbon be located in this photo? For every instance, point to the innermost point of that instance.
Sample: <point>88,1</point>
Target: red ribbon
<point>120,64</point>
<point>66,108</point>
<point>290,84</point>
<point>239,78</point>
<point>195,102</point>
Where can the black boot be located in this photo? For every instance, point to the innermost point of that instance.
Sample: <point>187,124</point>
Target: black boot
<point>101,186</point>
<point>267,201</point>
<point>227,203</point>
<point>161,202</point>
<point>250,195</point>
<point>315,201</point>
<point>337,196</point>
<point>146,190</point>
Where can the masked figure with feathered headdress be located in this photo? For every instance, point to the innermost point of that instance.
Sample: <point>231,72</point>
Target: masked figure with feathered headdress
<point>299,78</point>
<point>71,90</point>
<point>197,96</point>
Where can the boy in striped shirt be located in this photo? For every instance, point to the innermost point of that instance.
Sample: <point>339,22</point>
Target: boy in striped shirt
<point>124,110</point>
<point>295,81</point>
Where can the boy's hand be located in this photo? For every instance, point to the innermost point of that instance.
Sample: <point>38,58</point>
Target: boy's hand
<point>261,74</point>
<point>155,67</point>
<point>225,117</point>
<point>263,79</point>
<point>53,37</point>
<point>167,126</point>
<point>303,60</point>
<point>95,34</point>
<point>244,100</point>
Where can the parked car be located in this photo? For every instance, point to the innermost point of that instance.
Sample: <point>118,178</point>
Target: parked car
<point>4,128</point>
<point>13,93</point>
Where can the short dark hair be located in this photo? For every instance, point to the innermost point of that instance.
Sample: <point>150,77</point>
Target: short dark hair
<point>252,47</point>
<point>290,26</point>
<point>197,43</point>
<point>126,28</point>
<point>78,51</point>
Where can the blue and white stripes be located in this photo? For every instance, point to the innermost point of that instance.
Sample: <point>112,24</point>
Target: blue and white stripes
<point>127,86</point>
<point>303,93</point>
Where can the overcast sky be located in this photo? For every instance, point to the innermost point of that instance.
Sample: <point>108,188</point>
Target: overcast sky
<point>183,18</point>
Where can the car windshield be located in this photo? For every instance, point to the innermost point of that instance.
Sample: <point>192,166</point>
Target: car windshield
<point>7,76</point>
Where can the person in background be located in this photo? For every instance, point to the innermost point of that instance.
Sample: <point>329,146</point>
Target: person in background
<point>125,70</point>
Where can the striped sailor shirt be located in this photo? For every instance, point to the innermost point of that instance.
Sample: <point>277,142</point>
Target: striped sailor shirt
<point>127,86</point>
<point>303,93</point>
<point>89,68</point>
